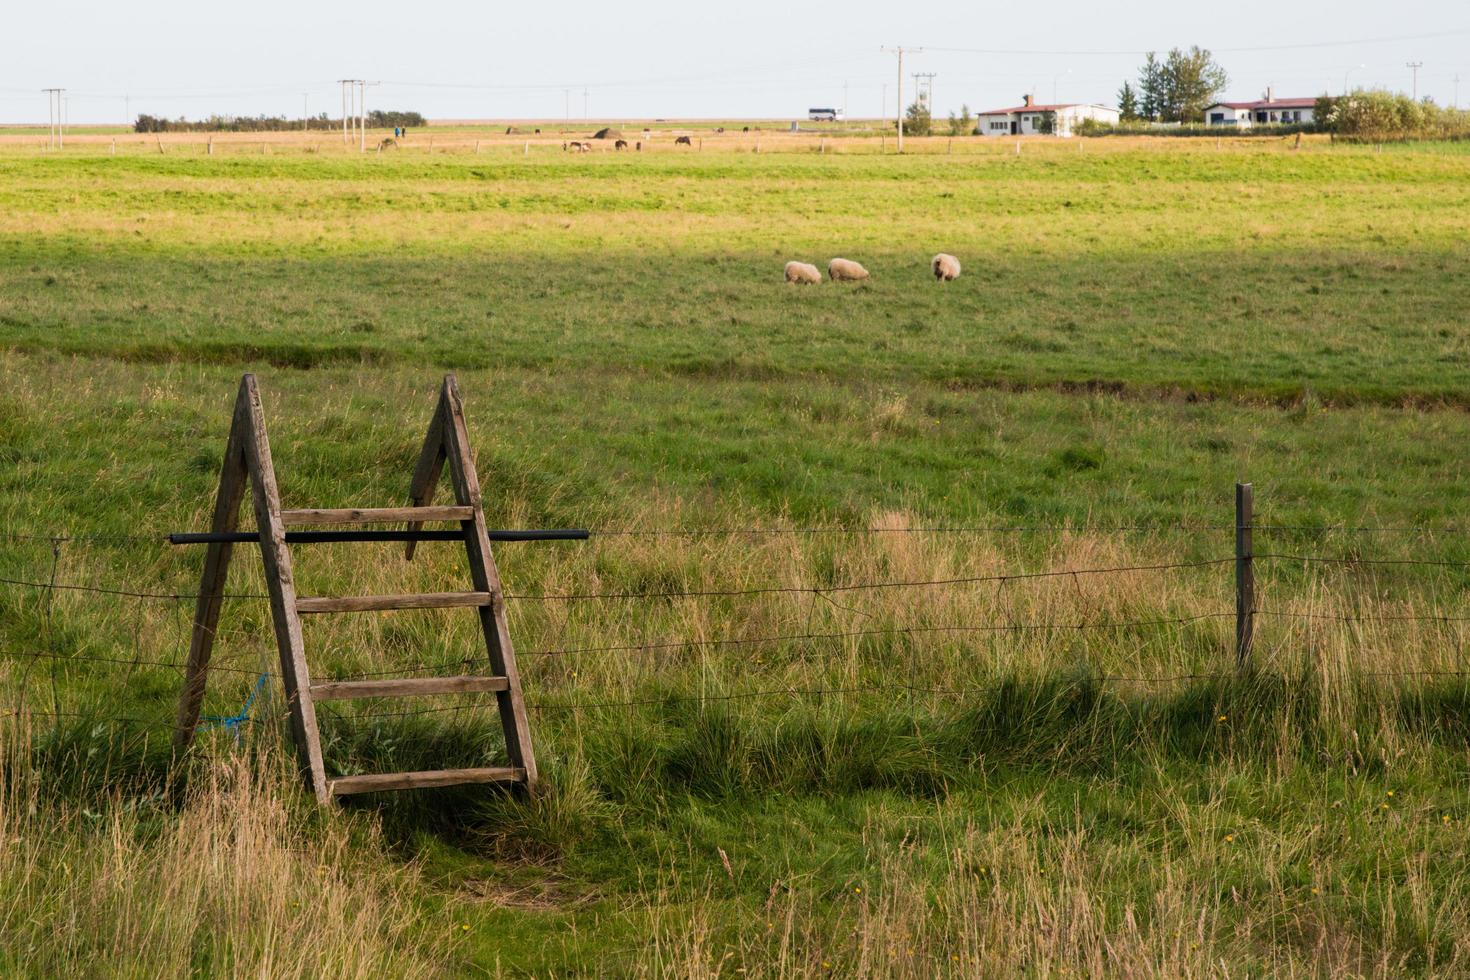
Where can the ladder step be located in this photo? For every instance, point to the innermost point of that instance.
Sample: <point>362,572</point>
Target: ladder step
<point>372,603</point>
<point>345,785</point>
<point>407,687</point>
<point>374,515</point>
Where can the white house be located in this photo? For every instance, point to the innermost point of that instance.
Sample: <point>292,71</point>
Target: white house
<point>1030,118</point>
<point>1264,112</point>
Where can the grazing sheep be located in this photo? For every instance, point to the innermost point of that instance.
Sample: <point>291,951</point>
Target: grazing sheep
<point>684,140</point>
<point>620,145</point>
<point>945,266</point>
<point>845,270</point>
<point>803,272</point>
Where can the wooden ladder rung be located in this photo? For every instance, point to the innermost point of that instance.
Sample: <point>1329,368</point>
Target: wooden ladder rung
<point>373,603</point>
<point>407,687</point>
<point>371,783</point>
<point>374,515</point>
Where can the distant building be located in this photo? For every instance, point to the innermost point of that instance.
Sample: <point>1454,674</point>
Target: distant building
<point>1263,112</point>
<point>1030,118</point>
<point>824,115</point>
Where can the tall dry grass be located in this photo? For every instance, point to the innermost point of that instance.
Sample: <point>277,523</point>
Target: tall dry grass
<point>1010,902</point>
<point>240,879</point>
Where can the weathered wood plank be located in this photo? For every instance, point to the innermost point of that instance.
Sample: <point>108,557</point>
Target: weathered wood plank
<point>405,687</point>
<point>377,603</point>
<point>373,515</point>
<point>281,585</point>
<point>426,472</point>
<point>486,578</point>
<point>232,480</point>
<point>374,782</point>
<point>1245,574</point>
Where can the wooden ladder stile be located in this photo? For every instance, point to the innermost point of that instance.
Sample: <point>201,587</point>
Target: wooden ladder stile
<point>248,462</point>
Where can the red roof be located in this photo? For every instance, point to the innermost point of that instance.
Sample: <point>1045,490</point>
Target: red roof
<point>1030,108</point>
<point>1268,104</point>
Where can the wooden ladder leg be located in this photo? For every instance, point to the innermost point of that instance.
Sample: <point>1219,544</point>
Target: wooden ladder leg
<point>426,473</point>
<point>282,587</point>
<point>212,583</point>
<point>486,578</point>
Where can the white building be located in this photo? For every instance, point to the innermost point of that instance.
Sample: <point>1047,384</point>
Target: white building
<point>1030,118</point>
<point>1264,112</point>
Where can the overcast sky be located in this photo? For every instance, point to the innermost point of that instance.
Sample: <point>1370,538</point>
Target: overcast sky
<point>652,58</point>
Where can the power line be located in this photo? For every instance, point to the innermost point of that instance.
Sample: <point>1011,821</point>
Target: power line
<point>1305,45</point>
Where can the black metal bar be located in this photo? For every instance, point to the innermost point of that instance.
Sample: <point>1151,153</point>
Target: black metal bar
<point>328,537</point>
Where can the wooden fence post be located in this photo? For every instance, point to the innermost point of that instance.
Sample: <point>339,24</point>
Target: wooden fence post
<point>1245,574</point>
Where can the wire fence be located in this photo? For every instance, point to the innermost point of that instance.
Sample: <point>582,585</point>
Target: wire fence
<point>47,584</point>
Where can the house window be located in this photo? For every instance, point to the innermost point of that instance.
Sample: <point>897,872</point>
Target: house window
<point>1217,119</point>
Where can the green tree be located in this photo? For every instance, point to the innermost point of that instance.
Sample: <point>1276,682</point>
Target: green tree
<point>1180,86</point>
<point>1194,80</point>
<point>963,124</point>
<point>1151,88</point>
<point>916,120</point>
<point>1127,103</point>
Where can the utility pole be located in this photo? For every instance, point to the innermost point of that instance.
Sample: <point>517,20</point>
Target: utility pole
<point>1456,103</point>
<point>898,103</point>
<point>303,111</point>
<point>584,103</point>
<point>127,110</point>
<point>344,82</point>
<point>57,134</point>
<point>567,95</point>
<point>924,89</point>
<point>1414,66</point>
<point>362,115</point>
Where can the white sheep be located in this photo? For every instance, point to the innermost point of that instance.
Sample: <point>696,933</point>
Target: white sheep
<point>945,266</point>
<point>845,270</point>
<point>802,272</point>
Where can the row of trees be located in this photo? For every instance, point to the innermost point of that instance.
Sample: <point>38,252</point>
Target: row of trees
<point>377,119</point>
<point>1176,88</point>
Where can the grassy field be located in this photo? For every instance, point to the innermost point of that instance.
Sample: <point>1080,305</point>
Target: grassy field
<point>999,775</point>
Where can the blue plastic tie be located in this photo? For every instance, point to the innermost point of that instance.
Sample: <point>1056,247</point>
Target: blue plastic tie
<point>233,722</point>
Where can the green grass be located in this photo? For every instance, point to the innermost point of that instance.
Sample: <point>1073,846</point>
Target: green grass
<point>1138,327</point>
<point>1253,274</point>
